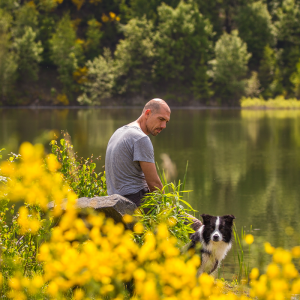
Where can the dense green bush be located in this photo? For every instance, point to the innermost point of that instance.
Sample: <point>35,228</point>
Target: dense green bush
<point>99,80</point>
<point>65,52</point>
<point>29,54</point>
<point>256,28</point>
<point>8,58</point>
<point>183,43</point>
<point>135,56</point>
<point>229,68</point>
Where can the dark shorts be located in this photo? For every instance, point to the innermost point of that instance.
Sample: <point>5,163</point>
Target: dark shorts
<point>137,197</point>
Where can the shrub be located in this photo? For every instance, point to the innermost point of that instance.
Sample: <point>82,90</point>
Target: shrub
<point>93,37</point>
<point>135,57</point>
<point>79,174</point>
<point>29,54</point>
<point>99,81</point>
<point>256,29</point>
<point>229,68</point>
<point>25,16</point>
<point>65,52</point>
<point>8,58</point>
<point>183,44</point>
<point>295,80</point>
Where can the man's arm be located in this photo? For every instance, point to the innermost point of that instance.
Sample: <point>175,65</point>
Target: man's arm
<point>151,175</point>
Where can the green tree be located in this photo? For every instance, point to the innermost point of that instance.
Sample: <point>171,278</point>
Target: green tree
<point>267,70</point>
<point>8,58</point>
<point>25,16</point>
<point>183,45</point>
<point>256,29</point>
<point>135,57</point>
<point>65,52</point>
<point>29,54</point>
<point>288,19</point>
<point>230,66</point>
<point>295,80</point>
<point>141,8</point>
<point>99,81</point>
<point>93,37</point>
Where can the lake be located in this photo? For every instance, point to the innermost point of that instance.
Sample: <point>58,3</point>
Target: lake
<point>240,162</point>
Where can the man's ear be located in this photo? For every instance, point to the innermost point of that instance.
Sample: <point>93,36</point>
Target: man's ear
<point>206,218</point>
<point>147,113</point>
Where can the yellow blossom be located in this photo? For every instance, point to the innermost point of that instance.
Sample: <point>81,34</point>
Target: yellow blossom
<point>249,239</point>
<point>254,273</point>
<point>273,271</point>
<point>268,248</point>
<point>127,218</point>
<point>296,252</point>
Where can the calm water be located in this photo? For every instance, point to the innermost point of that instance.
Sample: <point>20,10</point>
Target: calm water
<point>245,163</point>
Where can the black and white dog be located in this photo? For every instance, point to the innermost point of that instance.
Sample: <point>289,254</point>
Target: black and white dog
<point>215,237</point>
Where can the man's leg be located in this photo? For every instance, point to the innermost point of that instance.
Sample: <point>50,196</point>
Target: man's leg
<point>137,197</point>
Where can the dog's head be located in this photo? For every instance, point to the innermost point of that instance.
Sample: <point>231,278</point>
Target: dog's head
<point>217,229</point>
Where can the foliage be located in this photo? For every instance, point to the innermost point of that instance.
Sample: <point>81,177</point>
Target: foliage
<point>65,52</point>
<point>295,80</point>
<point>183,44</point>
<point>157,47</point>
<point>93,37</point>
<point>253,86</point>
<point>99,81</point>
<point>79,174</point>
<point>256,29</point>
<point>267,69</point>
<point>26,16</point>
<point>288,16</point>
<point>29,54</point>
<point>8,58</point>
<point>166,207</point>
<point>229,69</point>
<point>135,56</point>
<point>278,102</point>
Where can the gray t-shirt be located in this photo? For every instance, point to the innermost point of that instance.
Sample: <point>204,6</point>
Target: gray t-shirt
<point>126,148</point>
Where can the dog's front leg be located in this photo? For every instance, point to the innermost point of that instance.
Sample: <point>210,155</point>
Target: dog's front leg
<point>214,267</point>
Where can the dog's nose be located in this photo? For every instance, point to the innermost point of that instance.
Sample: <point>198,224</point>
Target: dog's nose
<point>216,237</point>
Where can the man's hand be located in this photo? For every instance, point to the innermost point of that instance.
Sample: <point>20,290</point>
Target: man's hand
<point>151,175</point>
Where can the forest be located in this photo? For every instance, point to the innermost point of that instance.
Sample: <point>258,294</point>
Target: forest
<point>123,52</point>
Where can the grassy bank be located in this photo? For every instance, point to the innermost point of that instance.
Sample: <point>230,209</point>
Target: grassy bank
<point>93,258</point>
<point>278,103</point>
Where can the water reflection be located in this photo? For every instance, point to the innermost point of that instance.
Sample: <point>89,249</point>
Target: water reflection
<point>244,163</point>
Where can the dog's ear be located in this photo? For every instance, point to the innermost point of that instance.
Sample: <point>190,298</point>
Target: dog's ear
<point>206,218</point>
<point>229,219</point>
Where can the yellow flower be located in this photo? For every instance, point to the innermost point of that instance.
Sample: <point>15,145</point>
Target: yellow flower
<point>289,271</point>
<point>14,283</point>
<point>282,256</point>
<point>172,221</point>
<point>273,270</point>
<point>104,18</point>
<point>79,294</point>
<point>112,15</point>
<point>268,248</point>
<point>254,273</point>
<point>138,228</point>
<point>296,252</point>
<point>127,218</point>
<point>249,239</point>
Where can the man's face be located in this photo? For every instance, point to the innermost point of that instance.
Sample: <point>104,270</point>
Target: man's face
<point>156,122</point>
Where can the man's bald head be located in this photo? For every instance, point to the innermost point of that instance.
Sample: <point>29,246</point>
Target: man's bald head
<point>155,105</point>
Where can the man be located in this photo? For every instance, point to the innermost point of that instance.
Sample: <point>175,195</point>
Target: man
<point>129,162</point>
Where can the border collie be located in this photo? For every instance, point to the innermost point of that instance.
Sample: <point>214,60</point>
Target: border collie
<point>214,237</point>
